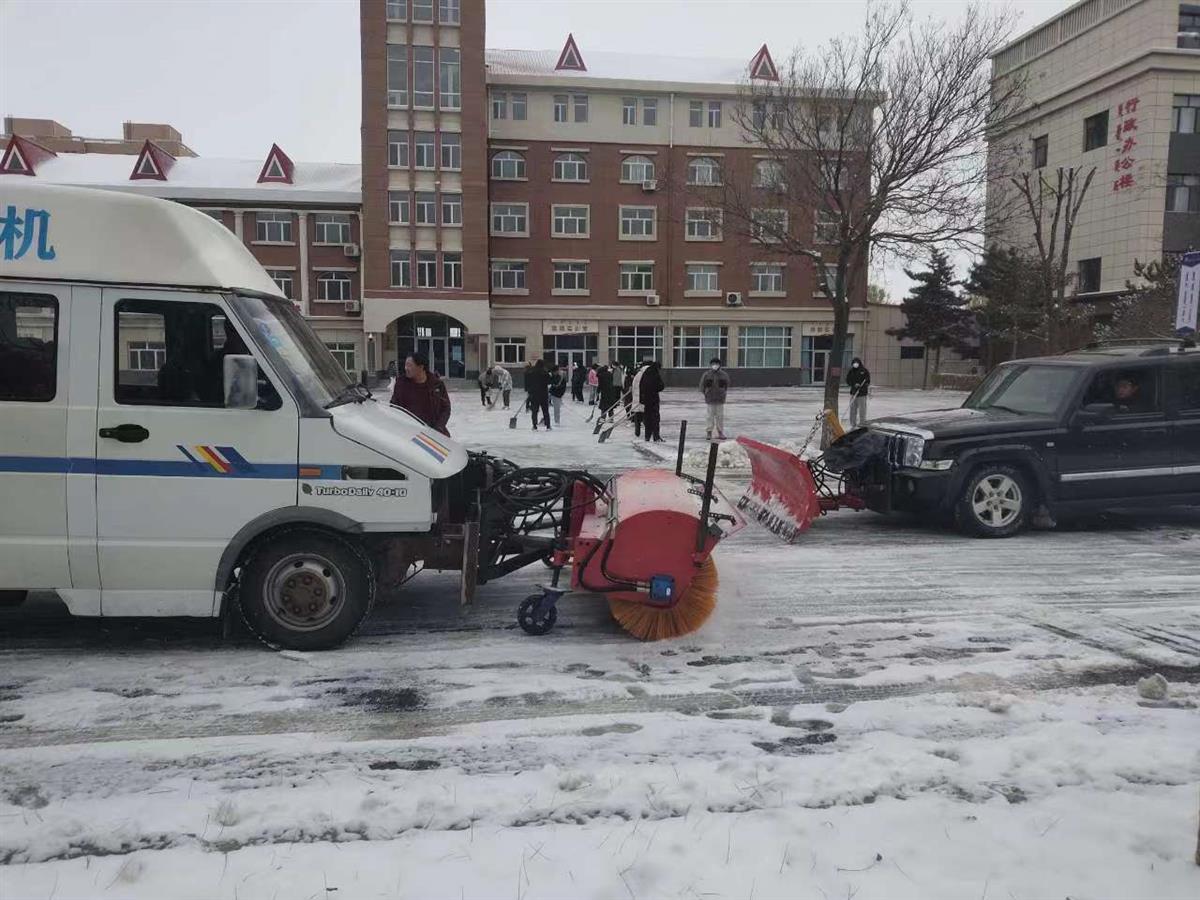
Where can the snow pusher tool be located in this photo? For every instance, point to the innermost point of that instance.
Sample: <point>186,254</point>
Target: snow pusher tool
<point>644,539</point>
<point>788,491</point>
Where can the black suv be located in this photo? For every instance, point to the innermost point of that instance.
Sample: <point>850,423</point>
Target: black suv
<point>1110,426</point>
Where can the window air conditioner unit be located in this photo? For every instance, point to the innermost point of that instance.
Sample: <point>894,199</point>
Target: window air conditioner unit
<point>652,300</point>
<point>733,298</point>
<point>351,250</point>
<point>353,306</point>
<point>650,185</point>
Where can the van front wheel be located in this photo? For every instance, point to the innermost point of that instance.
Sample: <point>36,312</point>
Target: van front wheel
<point>306,590</point>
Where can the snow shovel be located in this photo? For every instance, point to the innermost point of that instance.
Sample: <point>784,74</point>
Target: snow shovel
<point>512,422</point>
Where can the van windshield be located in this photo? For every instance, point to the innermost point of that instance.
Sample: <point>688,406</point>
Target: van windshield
<point>1033,390</point>
<point>293,348</point>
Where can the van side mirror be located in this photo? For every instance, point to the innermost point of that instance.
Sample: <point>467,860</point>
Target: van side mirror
<point>241,382</point>
<point>1095,412</point>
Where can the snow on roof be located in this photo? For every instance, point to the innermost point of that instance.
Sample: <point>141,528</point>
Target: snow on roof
<point>621,66</point>
<point>207,178</point>
<point>114,238</point>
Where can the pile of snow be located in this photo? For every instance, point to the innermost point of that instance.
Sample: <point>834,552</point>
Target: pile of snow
<point>1154,687</point>
<point>732,455</point>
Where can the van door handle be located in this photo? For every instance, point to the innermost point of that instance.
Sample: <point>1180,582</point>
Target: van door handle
<point>126,434</point>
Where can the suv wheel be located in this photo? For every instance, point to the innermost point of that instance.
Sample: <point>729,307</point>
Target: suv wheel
<point>995,502</point>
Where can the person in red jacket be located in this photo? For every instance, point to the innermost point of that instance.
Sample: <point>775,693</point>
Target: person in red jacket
<point>423,393</point>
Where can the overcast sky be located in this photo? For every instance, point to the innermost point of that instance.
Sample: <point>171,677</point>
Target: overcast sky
<point>235,75</point>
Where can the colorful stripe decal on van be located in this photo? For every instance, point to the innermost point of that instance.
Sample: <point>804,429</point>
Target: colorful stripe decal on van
<point>223,460</point>
<point>185,468</point>
<point>433,448</point>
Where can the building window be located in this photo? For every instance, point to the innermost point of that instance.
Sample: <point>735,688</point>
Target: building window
<point>422,11</point>
<point>449,12</point>
<point>912,352</point>
<point>273,227</point>
<point>451,151</point>
<point>146,356</point>
<point>424,150</point>
<point>714,113</point>
<point>1089,275</point>
<point>631,345</point>
<point>571,276</point>
<point>1188,36</point>
<point>285,281</point>
<point>702,225</point>
<point>398,149</point>
<point>450,77</point>
<point>570,221</point>
<point>560,107</point>
<point>508,351</point>
<point>580,102</point>
<point>629,111</point>
<point>828,227</point>
<point>333,287</point>
<point>452,209</point>
<point>695,345</point>
<point>398,207</point>
<point>637,277</point>
<point>766,278</point>
<point>427,269</point>
<point>331,228</point>
<point>1095,131</point>
<point>570,167</point>
<point>695,113</point>
<point>704,170</point>
<point>637,169</point>
<point>638,222</point>
<point>827,285</point>
<point>768,226</point>
<point>508,275</point>
<point>1183,193</point>
<point>768,175</point>
<point>703,278</point>
<point>397,10</point>
<point>397,75</point>
<point>764,346</point>
<point>426,208</point>
<point>508,165</point>
<point>343,352</point>
<point>423,77</point>
<point>1183,113</point>
<point>520,106</point>
<point>499,105</point>
<point>401,261</point>
<point>1041,149</point>
<point>649,111</point>
<point>452,273</point>
<point>510,218</point>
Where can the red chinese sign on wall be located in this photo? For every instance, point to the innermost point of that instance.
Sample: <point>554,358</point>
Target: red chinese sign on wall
<point>1126,145</point>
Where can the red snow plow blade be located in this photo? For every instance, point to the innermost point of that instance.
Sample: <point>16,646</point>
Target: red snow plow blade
<point>786,493</point>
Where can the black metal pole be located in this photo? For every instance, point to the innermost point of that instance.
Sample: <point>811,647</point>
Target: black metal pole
<point>709,477</point>
<point>679,455</point>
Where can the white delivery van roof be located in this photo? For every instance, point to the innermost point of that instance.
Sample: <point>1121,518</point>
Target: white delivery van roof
<point>78,234</point>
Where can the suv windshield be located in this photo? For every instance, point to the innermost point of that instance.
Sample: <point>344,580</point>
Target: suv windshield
<point>293,349</point>
<point>1030,389</point>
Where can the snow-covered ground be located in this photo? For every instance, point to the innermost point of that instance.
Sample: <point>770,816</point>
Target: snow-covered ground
<point>882,710</point>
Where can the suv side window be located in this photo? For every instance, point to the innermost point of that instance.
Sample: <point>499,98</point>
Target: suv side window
<point>172,353</point>
<point>1135,391</point>
<point>28,347</point>
<point>1184,388</point>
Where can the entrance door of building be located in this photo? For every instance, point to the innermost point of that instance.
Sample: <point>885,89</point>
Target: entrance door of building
<point>436,351</point>
<point>440,338</point>
<point>566,349</point>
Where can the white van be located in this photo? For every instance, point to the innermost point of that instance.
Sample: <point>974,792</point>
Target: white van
<point>173,435</point>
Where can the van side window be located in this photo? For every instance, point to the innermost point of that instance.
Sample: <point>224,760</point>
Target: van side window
<point>172,353</point>
<point>28,347</point>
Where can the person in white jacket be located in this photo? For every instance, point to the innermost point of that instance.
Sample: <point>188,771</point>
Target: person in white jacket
<point>634,401</point>
<point>504,382</point>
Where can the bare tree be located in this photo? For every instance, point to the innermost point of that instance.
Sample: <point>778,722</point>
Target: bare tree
<point>875,142</point>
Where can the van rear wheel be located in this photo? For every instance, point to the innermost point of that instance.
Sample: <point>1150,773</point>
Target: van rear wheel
<point>306,590</point>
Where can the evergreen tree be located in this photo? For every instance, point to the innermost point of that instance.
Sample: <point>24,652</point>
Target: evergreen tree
<point>1147,308</point>
<point>1004,294</point>
<point>935,314</point>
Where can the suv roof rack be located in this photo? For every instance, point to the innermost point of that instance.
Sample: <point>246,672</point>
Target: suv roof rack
<point>1156,345</point>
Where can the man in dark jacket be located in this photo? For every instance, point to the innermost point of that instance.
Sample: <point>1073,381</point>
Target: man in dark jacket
<point>608,393</point>
<point>648,393</point>
<point>537,388</point>
<point>422,393</point>
<point>578,376</point>
<point>858,379</point>
<point>715,385</point>
<point>558,389</point>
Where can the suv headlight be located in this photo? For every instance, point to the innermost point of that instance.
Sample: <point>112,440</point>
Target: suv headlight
<point>912,449</point>
<point>936,465</point>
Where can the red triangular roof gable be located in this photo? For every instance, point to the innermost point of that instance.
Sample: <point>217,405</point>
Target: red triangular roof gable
<point>22,156</point>
<point>570,58</point>
<point>153,163</point>
<point>762,66</point>
<point>278,167</point>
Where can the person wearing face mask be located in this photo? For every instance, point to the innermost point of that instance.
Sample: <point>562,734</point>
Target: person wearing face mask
<point>858,379</point>
<point>715,385</point>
